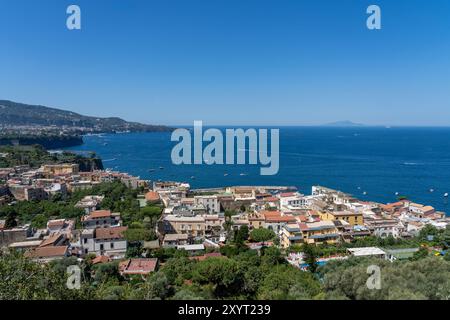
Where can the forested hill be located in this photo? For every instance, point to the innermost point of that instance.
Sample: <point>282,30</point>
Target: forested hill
<point>19,114</point>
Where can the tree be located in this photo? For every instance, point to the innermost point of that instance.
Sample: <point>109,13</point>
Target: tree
<point>286,282</point>
<point>155,287</point>
<point>223,273</point>
<point>310,257</point>
<point>241,235</point>
<point>422,253</point>
<point>262,235</point>
<point>10,221</point>
<point>23,279</point>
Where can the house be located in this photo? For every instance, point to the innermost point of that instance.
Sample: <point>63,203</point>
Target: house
<point>25,245</point>
<point>89,203</point>
<point>100,219</point>
<point>52,170</point>
<point>384,228</point>
<point>211,203</point>
<point>151,245</point>
<point>319,232</point>
<point>291,235</point>
<point>27,193</point>
<point>141,266</point>
<point>152,197</point>
<point>18,234</point>
<point>60,226</point>
<point>274,220</point>
<point>104,241</point>
<point>47,254</point>
<point>352,217</point>
<point>292,200</point>
<point>194,226</point>
<point>312,233</point>
<point>256,220</point>
<point>174,239</point>
<point>419,210</point>
<point>55,239</point>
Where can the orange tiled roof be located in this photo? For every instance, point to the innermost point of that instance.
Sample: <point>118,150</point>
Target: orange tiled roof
<point>110,233</point>
<point>57,223</point>
<point>100,214</point>
<point>275,216</point>
<point>47,252</point>
<point>138,266</point>
<point>206,256</point>
<point>152,196</point>
<point>50,241</point>
<point>100,259</point>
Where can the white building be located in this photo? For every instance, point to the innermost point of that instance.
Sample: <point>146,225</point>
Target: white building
<point>211,203</point>
<point>104,242</point>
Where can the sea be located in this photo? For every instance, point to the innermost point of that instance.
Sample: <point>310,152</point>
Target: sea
<point>371,163</point>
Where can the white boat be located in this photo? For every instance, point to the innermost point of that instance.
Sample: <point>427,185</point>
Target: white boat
<point>225,174</point>
<point>446,194</point>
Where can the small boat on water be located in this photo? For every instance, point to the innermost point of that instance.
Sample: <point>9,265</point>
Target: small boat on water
<point>225,174</point>
<point>396,193</point>
<point>431,190</point>
<point>446,194</point>
<point>161,168</point>
<point>365,193</point>
<point>193,178</point>
<point>243,174</point>
<point>151,170</point>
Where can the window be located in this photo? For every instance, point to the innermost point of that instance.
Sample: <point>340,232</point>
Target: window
<point>112,245</point>
<point>85,240</point>
<point>102,247</point>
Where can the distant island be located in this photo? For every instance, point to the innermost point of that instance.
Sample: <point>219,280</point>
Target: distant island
<point>24,124</point>
<point>345,123</point>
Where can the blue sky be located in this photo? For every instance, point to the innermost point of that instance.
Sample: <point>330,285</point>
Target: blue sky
<point>237,62</point>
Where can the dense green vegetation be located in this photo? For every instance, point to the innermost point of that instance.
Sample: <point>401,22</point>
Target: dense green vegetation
<point>36,155</point>
<point>426,278</point>
<point>239,274</point>
<point>118,198</point>
<point>48,140</point>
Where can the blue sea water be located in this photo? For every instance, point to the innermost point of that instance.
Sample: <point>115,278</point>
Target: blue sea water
<point>379,161</point>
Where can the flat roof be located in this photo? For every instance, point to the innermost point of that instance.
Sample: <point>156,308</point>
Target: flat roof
<point>366,251</point>
<point>191,247</point>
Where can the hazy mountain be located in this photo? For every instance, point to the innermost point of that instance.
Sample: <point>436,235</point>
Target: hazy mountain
<point>19,114</point>
<point>345,123</point>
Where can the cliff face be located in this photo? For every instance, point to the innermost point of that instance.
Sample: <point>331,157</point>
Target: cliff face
<point>89,164</point>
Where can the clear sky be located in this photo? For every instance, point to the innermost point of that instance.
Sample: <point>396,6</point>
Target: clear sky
<point>238,62</point>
